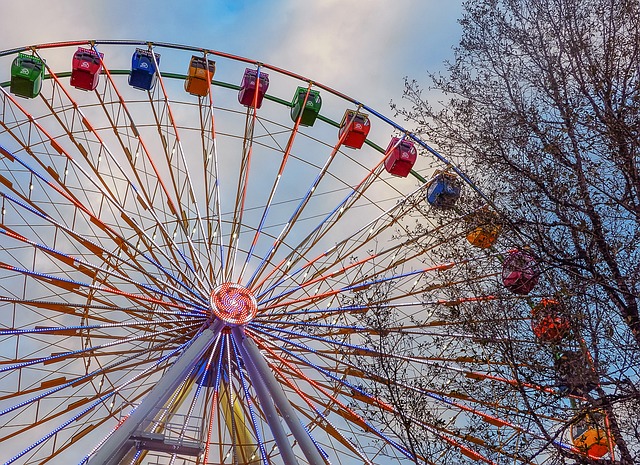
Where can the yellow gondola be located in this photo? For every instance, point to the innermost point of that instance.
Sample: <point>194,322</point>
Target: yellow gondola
<point>590,436</point>
<point>484,228</point>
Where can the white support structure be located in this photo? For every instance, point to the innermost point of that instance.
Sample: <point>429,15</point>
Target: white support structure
<point>309,448</point>
<point>113,450</point>
<point>266,403</point>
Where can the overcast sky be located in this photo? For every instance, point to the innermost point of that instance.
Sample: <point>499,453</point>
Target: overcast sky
<point>363,48</point>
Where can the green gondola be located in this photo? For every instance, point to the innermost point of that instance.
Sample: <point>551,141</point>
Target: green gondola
<point>27,73</point>
<point>311,108</point>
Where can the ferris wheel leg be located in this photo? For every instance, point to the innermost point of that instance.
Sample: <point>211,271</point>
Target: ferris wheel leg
<point>113,450</point>
<point>255,358</point>
<point>271,414</point>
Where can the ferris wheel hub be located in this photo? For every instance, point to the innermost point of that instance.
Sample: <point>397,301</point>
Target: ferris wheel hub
<point>233,304</point>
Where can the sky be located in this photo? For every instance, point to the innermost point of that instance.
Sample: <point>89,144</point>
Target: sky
<point>363,48</point>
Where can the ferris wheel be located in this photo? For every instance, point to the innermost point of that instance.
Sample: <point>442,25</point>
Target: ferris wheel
<point>205,259</point>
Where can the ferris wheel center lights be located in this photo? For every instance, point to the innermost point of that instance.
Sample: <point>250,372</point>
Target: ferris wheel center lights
<point>401,156</point>
<point>233,304</point>
<point>143,69</point>
<point>248,87</point>
<point>86,68</point>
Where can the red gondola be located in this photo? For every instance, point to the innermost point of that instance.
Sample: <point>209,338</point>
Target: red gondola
<point>86,68</point>
<point>401,156</point>
<point>549,321</point>
<point>355,127</point>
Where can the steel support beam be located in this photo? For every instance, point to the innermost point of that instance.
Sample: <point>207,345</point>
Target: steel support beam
<point>113,450</point>
<point>266,403</point>
<point>254,357</point>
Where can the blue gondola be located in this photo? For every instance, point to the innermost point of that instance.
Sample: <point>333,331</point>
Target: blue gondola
<point>144,73</point>
<point>443,191</point>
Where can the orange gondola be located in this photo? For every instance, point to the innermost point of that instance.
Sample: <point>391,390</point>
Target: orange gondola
<point>589,435</point>
<point>484,228</point>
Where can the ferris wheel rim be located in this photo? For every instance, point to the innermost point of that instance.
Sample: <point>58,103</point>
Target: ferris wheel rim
<point>259,327</point>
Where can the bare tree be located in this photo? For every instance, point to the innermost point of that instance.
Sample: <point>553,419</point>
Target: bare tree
<point>545,104</point>
<point>542,107</point>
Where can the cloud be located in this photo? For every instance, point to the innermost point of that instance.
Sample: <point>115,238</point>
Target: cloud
<point>362,48</point>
